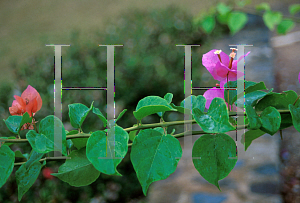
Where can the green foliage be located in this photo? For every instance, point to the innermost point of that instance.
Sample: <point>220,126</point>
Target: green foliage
<point>208,24</point>
<point>251,135</point>
<point>236,21</point>
<point>98,145</point>
<point>272,18</point>
<point>77,171</point>
<point>293,9</point>
<point>15,123</point>
<point>151,105</point>
<point>211,157</point>
<point>295,112</point>
<point>286,25</point>
<point>270,119</point>
<point>78,113</point>
<point>216,119</point>
<point>43,142</point>
<point>25,177</point>
<point>163,153</point>
<point>254,121</point>
<point>7,159</point>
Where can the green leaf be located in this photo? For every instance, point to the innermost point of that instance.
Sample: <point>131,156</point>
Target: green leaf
<point>222,8</point>
<point>7,159</point>
<point>263,6</point>
<point>223,19</point>
<point>252,97</point>
<point>78,142</point>
<point>151,105</point>
<point>153,156</point>
<point>168,97</point>
<point>69,144</point>
<point>121,114</point>
<point>77,113</point>
<point>77,171</point>
<point>33,157</point>
<point>249,136</point>
<point>285,26</point>
<point>19,154</point>
<point>15,123</point>
<point>211,157</point>
<point>99,143</point>
<point>270,119</point>
<point>100,115</point>
<point>295,112</point>
<point>208,24</point>
<point>43,142</point>
<point>254,121</point>
<point>249,87</point>
<point>236,21</point>
<point>272,18</point>
<point>216,120</point>
<point>25,177</point>
<point>293,9</point>
<point>197,102</point>
<point>159,129</point>
<point>277,100</point>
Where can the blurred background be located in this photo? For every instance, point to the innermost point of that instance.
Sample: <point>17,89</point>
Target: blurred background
<point>149,63</point>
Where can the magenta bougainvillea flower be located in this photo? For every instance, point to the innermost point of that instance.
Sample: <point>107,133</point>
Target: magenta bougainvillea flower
<point>210,94</point>
<point>221,66</point>
<point>30,102</point>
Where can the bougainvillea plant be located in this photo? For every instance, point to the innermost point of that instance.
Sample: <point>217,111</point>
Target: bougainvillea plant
<point>155,152</point>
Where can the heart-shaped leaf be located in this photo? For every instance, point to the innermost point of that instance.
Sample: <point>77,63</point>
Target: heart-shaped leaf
<point>285,26</point>
<point>193,102</point>
<point>272,18</point>
<point>15,123</point>
<point>254,121</point>
<point>168,97</point>
<point>43,142</point>
<point>99,143</point>
<point>295,112</point>
<point>211,157</point>
<point>77,171</point>
<point>208,24</point>
<point>293,9</point>
<point>251,135</point>
<point>33,157</point>
<point>216,120</point>
<point>236,21</point>
<point>25,177</point>
<point>270,119</point>
<point>77,113</point>
<point>154,156</point>
<point>7,159</point>
<point>223,8</point>
<point>151,105</point>
<point>100,115</point>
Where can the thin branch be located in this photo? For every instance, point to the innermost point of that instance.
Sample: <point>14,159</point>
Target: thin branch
<point>186,133</point>
<point>142,126</point>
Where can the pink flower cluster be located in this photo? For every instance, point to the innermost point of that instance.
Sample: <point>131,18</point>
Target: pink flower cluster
<point>30,102</point>
<point>223,68</point>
